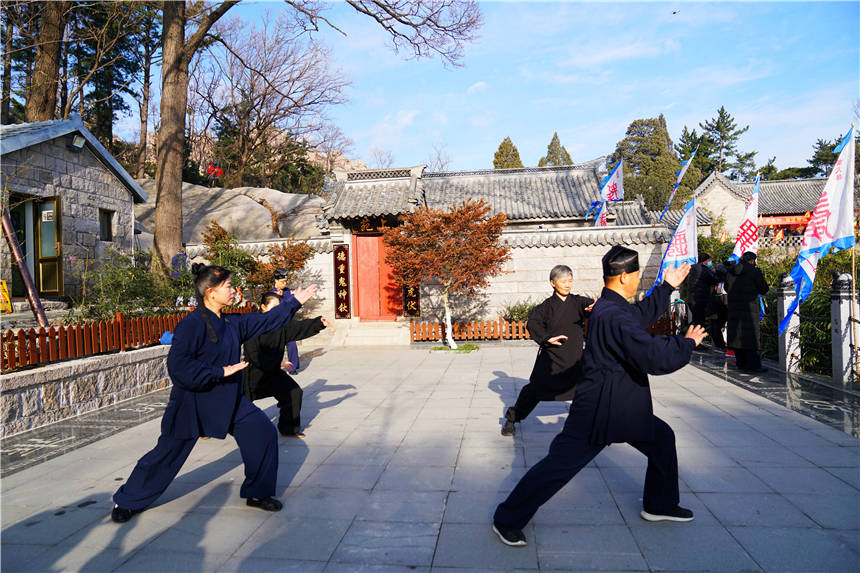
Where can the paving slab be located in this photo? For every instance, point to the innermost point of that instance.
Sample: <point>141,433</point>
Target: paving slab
<point>403,465</point>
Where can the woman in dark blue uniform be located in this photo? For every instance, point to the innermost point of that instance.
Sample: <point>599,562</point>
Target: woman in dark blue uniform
<point>206,399</point>
<point>613,401</point>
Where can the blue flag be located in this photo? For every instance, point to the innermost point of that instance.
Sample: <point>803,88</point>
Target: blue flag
<point>683,246</point>
<point>678,176</point>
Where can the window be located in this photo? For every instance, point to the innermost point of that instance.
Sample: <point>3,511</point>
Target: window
<point>105,225</point>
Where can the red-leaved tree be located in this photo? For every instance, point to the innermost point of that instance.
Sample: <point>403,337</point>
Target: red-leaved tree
<point>460,248</point>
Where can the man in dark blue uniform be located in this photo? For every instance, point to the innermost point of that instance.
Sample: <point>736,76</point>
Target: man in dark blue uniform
<point>556,325</point>
<point>613,401</point>
<point>281,289</point>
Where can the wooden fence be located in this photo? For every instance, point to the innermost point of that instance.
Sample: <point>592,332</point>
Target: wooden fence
<point>479,330</point>
<point>504,330</point>
<point>32,347</point>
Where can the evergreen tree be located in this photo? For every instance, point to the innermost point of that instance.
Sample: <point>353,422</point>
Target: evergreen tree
<point>725,133</point>
<point>688,142</point>
<point>556,154</point>
<point>769,172</point>
<point>507,155</point>
<point>823,157</point>
<point>651,164</point>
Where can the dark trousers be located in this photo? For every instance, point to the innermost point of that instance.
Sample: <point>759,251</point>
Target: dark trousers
<point>747,359</point>
<point>293,355</point>
<point>258,444</point>
<point>699,311</point>
<point>718,321</point>
<point>289,397</point>
<point>570,452</point>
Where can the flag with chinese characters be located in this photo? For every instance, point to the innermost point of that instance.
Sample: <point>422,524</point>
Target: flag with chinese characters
<point>678,176</point>
<point>341,282</point>
<point>684,245</point>
<point>831,227</point>
<point>613,186</point>
<point>600,220</point>
<point>747,237</point>
<point>612,189</point>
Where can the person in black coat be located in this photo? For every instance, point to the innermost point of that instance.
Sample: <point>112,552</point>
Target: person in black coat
<point>265,374</point>
<point>206,399</point>
<point>744,283</point>
<point>613,400</point>
<point>556,325</point>
<point>719,310</point>
<point>700,288</point>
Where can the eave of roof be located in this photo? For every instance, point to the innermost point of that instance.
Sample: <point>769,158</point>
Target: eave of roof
<point>23,135</point>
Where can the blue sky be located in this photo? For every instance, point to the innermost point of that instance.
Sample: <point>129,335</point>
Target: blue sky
<point>586,70</point>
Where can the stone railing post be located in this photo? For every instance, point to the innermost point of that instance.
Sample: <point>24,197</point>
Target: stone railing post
<point>840,328</point>
<point>789,340</point>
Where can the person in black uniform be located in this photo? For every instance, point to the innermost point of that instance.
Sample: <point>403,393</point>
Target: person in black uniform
<point>744,283</point>
<point>719,310</point>
<point>206,399</point>
<point>280,288</point>
<point>613,400</point>
<point>700,288</point>
<point>265,374</point>
<point>556,325</point>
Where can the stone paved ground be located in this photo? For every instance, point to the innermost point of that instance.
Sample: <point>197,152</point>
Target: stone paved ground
<point>403,465</point>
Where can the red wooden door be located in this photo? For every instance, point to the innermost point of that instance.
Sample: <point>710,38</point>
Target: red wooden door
<point>377,294</point>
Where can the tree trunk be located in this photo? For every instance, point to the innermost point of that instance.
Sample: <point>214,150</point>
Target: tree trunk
<point>171,137</point>
<point>144,121</point>
<point>449,333</point>
<point>6,103</point>
<point>42,99</point>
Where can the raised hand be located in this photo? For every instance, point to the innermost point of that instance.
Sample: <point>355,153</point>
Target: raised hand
<point>326,322</point>
<point>589,307</point>
<point>233,368</point>
<point>675,276</point>
<point>305,293</point>
<point>697,333</point>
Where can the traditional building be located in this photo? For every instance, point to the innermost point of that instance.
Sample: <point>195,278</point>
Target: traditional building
<point>69,200</point>
<point>784,204</point>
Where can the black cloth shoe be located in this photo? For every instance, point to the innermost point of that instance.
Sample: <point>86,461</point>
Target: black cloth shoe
<point>266,504</point>
<point>510,535</point>
<point>295,434</point>
<point>120,515</point>
<point>508,428</point>
<point>677,513</point>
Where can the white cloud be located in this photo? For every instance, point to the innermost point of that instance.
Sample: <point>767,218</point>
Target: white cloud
<point>601,54</point>
<point>476,87</point>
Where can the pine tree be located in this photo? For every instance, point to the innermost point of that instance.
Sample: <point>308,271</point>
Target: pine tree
<point>725,133</point>
<point>688,142</point>
<point>556,154</point>
<point>651,164</point>
<point>507,155</point>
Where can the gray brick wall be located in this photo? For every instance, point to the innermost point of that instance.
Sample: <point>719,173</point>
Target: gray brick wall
<point>84,186</point>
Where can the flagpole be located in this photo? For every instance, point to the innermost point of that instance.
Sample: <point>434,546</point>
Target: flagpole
<point>853,316</point>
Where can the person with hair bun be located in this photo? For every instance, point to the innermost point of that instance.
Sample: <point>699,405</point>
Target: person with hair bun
<point>207,400</point>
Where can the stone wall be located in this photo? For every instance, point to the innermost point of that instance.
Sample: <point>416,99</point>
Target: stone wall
<point>33,398</point>
<point>526,277</point>
<point>84,186</point>
<point>718,201</point>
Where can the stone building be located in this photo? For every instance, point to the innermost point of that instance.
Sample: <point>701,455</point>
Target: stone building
<point>69,200</point>
<point>783,203</point>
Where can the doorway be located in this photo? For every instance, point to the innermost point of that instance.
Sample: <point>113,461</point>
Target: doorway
<point>377,294</point>
<point>37,227</point>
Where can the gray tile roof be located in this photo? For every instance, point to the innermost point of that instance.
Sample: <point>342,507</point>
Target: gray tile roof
<point>783,196</point>
<point>586,236</point>
<point>631,213</point>
<point>524,194</point>
<point>320,245</point>
<point>370,198</point>
<point>786,196</point>
<point>22,135</point>
<point>673,217</point>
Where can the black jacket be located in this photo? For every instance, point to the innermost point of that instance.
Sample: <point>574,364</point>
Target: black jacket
<point>614,397</point>
<point>265,354</point>
<point>744,283</point>
<point>556,368</point>
<point>700,285</point>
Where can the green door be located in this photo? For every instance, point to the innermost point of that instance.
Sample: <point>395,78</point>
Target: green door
<point>49,263</point>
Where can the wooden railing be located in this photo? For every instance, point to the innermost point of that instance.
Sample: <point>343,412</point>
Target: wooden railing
<point>33,347</point>
<point>478,330</point>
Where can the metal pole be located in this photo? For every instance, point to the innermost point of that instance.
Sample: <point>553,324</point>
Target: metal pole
<point>852,314</point>
<point>32,295</point>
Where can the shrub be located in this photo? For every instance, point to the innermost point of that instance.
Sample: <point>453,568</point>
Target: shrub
<point>519,311</point>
